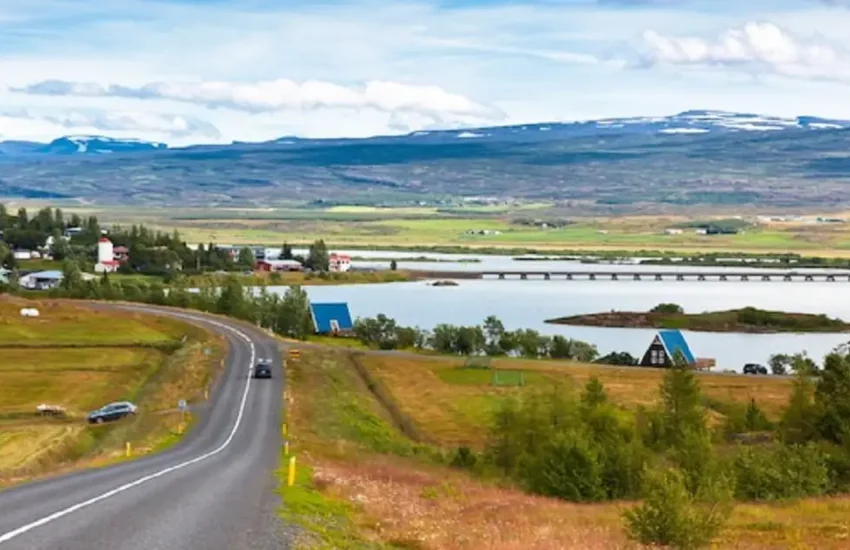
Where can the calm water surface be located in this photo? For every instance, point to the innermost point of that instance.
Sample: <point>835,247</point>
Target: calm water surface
<point>527,304</point>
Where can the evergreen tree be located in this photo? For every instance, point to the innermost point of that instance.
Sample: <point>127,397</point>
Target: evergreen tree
<point>318,258</point>
<point>293,314</point>
<point>286,252</point>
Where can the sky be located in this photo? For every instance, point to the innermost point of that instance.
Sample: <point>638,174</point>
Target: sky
<point>215,71</point>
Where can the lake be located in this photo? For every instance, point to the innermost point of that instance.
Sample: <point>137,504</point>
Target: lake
<point>527,304</point>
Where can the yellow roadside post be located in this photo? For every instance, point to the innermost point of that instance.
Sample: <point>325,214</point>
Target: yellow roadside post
<point>286,448</point>
<point>128,450</point>
<point>291,480</point>
<point>284,429</point>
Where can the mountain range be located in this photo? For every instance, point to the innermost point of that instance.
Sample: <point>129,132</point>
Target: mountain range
<point>710,158</point>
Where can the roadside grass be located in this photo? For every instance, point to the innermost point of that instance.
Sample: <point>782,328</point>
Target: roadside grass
<point>66,323</point>
<point>362,483</point>
<point>84,378</point>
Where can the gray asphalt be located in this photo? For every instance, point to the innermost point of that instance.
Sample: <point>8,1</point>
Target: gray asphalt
<point>215,490</point>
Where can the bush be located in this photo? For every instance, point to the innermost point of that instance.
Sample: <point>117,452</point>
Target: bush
<point>780,472</point>
<point>464,458</point>
<point>671,516</point>
<point>668,309</point>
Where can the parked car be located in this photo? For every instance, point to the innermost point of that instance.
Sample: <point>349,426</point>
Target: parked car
<point>754,368</point>
<point>113,411</point>
<point>263,369</point>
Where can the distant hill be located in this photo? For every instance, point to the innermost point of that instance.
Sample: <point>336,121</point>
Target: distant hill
<point>709,158</point>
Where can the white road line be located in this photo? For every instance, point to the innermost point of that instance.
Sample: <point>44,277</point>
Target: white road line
<point>5,537</point>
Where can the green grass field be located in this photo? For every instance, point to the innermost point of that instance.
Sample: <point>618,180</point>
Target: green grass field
<point>441,230</point>
<point>66,323</point>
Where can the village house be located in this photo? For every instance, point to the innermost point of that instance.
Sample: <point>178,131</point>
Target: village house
<point>666,346</point>
<point>331,318</point>
<point>46,280</point>
<point>339,262</point>
<point>277,266</point>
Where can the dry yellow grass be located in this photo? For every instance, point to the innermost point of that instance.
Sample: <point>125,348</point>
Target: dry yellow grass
<point>78,379</point>
<point>436,509</point>
<point>458,414</point>
<point>83,378</point>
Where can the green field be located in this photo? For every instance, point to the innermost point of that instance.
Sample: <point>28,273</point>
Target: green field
<point>369,226</point>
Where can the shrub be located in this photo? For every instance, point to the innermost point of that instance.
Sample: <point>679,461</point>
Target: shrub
<point>672,516</point>
<point>464,458</point>
<point>780,472</point>
<point>668,309</point>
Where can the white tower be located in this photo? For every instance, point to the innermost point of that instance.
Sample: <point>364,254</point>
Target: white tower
<point>104,251</point>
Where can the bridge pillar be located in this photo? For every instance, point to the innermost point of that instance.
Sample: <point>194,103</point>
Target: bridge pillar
<point>592,277</point>
<point>546,277</point>
<point>501,275</point>
<point>637,276</point>
<point>700,277</point>
<point>724,278</point>
<point>765,277</point>
<point>745,278</point>
<point>614,277</point>
<point>680,277</point>
<point>523,276</point>
<point>809,278</point>
<point>569,276</point>
<point>658,277</point>
<point>787,278</point>
<point>830,278</point>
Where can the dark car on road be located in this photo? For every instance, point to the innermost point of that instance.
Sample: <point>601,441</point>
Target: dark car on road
<point>754,368</point>
<point>113,411</point>
<point>263,369</point>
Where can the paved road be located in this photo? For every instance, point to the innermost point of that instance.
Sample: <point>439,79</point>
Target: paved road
<point>215,490</point>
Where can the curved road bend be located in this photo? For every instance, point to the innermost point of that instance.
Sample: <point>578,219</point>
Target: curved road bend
<point>214,490</point>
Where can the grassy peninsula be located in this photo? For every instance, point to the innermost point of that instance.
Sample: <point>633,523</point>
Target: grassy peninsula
<point>748,319</point>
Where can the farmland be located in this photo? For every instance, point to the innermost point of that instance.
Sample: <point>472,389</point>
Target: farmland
<point>80,358</point>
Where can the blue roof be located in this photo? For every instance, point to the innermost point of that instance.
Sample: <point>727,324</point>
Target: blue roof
<point>673,341</point>
<point>323,314</point>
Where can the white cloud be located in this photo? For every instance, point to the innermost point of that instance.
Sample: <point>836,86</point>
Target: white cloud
<point>260,69</point>
<point>45,126</point>
<point>757,46</point>
<point>277,95</point>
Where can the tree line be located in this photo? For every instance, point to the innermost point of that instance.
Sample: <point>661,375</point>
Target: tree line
<point>491,338</point>
<point>581,447</point>
<point>150,252</point>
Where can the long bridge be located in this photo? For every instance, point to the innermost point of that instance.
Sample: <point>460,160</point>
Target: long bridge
<point>752,275</point>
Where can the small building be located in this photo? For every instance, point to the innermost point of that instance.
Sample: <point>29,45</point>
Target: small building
<point>46,280</point>
<point>664,347</point>
<point>331,318</point>
<point>276,266</point>
<point>25,254</point>
<point>41,280</point>
<point>339,262</point>
<point>4,275</point>
<point>121,253</point>
<point>106,262</point>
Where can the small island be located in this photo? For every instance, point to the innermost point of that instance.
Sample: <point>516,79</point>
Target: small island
<point>748,319</point>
